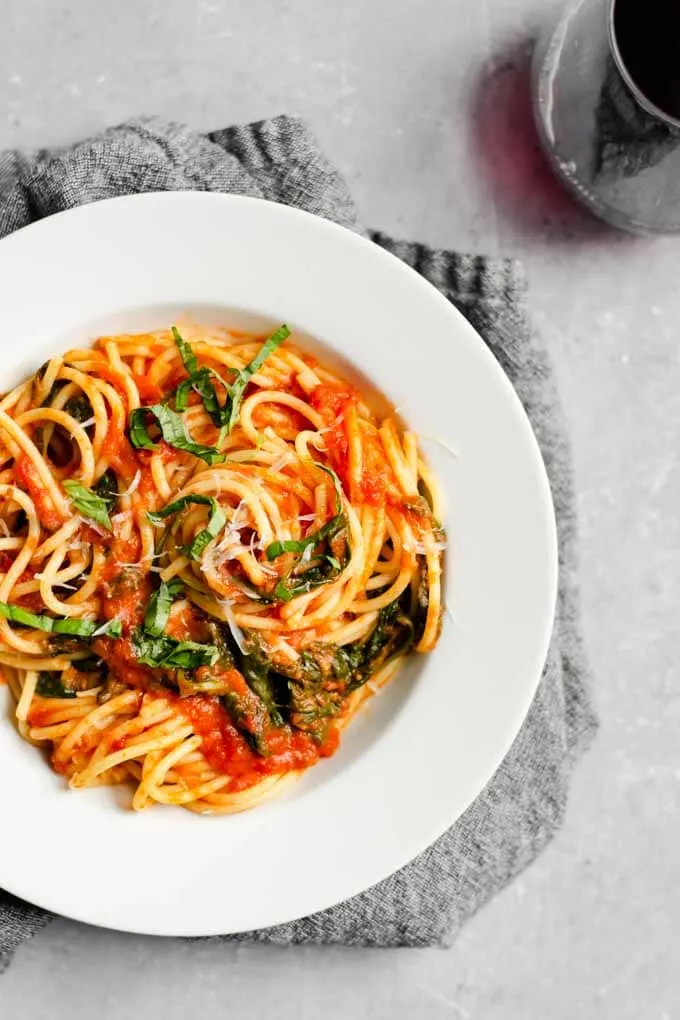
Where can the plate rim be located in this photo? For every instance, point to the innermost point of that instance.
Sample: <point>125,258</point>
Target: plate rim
<point>461,323</point>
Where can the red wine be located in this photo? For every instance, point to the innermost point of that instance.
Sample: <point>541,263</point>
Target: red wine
<point>647,33</point>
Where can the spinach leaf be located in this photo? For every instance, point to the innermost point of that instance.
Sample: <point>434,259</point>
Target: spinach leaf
<point>257,673</point>
<point>53,685</point>
<point>256,669</point>
<point>92,664</point>
<point>312,706</point>
<point>50,685</point>
<point>89,504</point>
<point>250,716</point>
<point>78,407</point>
<point>393,634</point>
<point>106,488</point>
<point>57,385</point>
<point>420,604</point>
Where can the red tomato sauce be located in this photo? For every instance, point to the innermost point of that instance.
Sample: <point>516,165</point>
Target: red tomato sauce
<point>227,751</point>
<point>119,453</point>
<point>125,594</point>
<point>331,403</point>
<point>376,471</point>
<point>149,392</point>
<point>28,478</point>
<point>378,483</point>
<point>186,624</point>
<point>119,656</point>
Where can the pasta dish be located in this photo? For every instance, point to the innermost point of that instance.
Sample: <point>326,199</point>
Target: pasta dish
<point>212,551</point>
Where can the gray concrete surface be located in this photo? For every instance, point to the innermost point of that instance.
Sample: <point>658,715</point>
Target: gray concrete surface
<point>423,103</point>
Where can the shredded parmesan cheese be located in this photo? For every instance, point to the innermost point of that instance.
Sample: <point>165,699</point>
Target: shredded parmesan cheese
<point>133,484</point>
<point>236,632</point>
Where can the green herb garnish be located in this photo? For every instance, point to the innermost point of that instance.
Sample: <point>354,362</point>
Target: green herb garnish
<point>173,431</point>
<point>77,628</point>
<point>189,359</point>
<point>201,380</point>
<point>106,488</point>
<point>237,388</point>
<point>89,504</point>
<point>158,611</point>
<point>216,521</point>
<point>166,652</point>
<point>322,568</point>
<point>154,648</point>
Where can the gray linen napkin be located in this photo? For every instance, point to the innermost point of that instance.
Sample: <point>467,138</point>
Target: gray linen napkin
<point>512,820</point>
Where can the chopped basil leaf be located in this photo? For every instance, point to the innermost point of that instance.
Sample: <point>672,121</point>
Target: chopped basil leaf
<point>237,388</point>
<point>77,628</point>
<point>182,394</point>
<point>157,516</point>
<point>173,430</point>
<point>200,380</point>
<point>216,521</point>
<point>171,654</point>
<point>154,648</point>
<point>189,359</point>
<point>89,504</point>
<point>23,616</point>
<point>139,436</point>
<point>329,529</point>
<point>323,568</point>
<point>112,628</point>
<point>158,610</point>
<point>281,591</point>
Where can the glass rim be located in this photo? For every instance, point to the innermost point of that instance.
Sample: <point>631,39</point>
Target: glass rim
<point>638,95</point>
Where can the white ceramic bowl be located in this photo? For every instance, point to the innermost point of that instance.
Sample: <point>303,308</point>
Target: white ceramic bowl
<point>416,757</point>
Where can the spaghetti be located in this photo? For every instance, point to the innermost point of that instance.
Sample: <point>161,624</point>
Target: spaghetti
<point>211,552</point>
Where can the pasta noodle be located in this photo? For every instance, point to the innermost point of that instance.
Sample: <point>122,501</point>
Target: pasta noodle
<point>212,551</point>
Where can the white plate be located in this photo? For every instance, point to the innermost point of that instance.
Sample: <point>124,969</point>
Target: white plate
<point>412,762</point>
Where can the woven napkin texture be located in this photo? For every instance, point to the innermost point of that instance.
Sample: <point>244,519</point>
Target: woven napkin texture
<point>523,805</point>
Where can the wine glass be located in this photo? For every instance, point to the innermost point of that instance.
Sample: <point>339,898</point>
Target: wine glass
<point>606,91</point>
